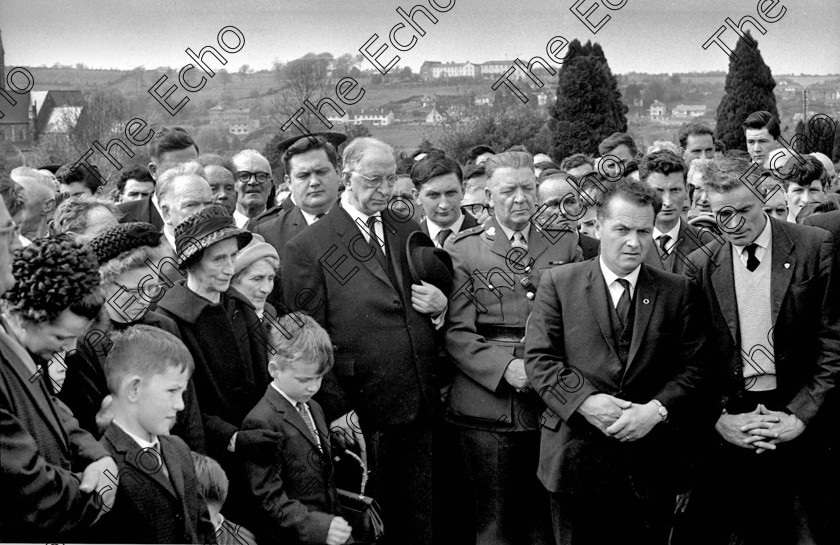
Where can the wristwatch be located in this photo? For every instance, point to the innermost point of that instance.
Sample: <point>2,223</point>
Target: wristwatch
<point>663,412</point>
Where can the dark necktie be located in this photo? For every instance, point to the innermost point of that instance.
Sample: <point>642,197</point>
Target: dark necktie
<point>663,241</point>
<point>374,242</point>
<point>319,216</point>
<point>623,307</point>
<point>752,261</point>
<point>442,235</point>
<point>307,418</point>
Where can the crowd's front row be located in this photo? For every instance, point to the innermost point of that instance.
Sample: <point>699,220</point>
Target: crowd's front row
<point>715,388</point>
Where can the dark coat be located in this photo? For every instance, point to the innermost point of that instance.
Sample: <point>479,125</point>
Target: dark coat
<point>140,210</point>
<point>468,223</point>
<point>385,351</point>
<point>806,330</point>
<point>293,488</point>
<point>277,232</point>
<point>591,247</point>
<point>270,214</point>
<point>85,385</point>
<point>689,239</point>
<point>571,353</point>
<point>830,221</point>
<point>488,292</point>
<point>44,452</point>
<point>149,507</point>
<point>231,365</point>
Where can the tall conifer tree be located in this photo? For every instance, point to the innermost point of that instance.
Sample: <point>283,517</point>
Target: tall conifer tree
<point>749,88</point>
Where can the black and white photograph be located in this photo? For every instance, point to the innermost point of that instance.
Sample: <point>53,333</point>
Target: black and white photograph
<point>437,272</point>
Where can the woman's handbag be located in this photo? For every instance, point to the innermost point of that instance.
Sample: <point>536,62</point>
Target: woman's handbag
<point>362,512</point>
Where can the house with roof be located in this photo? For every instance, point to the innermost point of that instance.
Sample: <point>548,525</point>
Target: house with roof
<point>689,110</point>
<point>57,111</point>
<point>434,116</point>
<point>657,110</point>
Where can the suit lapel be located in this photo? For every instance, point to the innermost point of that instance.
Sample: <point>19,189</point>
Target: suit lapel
<point>782,263</point>
<point>176,477</point>
<point>537,244</point>
<point>354,241</point>
<point>723,282</point>
<point>598,298</point>
<point>132,455</point>
<point>424,226</point>
<point>31,380</point>
<point>291,414</point>
<point>645,301</point>
<point>469,222</point>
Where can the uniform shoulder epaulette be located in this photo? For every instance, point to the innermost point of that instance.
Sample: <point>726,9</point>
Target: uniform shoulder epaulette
<point>468,232</point>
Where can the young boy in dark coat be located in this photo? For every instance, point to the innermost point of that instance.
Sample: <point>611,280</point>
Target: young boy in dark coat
<point>157,501</point>
<point>292,482</point>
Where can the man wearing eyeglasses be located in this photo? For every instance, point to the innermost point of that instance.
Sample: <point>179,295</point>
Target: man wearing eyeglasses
<point>253,184</point>
<point>350,272</point>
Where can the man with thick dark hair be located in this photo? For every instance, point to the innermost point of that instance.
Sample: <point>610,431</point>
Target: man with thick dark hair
<point>169,147</point>
<point>437,183</point>
<point>79,181</point>
<point>619,144</point>
<point>135,183</point>
<point>805,181</point>
<point>578,165</point>
<point>675,239</point>
<point>478,154</point>
<point>615,349</point>
<point>775,334</point>
<point>697,141</point>
<point>762,131</point>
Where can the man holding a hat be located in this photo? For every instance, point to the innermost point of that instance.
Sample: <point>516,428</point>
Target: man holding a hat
<point>350,271</point>
<point>497,271</point>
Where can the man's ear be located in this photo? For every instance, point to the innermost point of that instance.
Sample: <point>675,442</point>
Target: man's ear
<point>416,195</point>
<point>287,180</point>
<point>49,207</point>
<point>153,170</point>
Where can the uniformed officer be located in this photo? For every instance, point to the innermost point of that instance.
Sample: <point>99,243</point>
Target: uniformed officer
<point>497,270</point>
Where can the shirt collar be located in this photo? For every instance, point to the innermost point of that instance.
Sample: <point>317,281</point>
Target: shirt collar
<point>509,232</point>
<point>434,228</point>
<point>353,211</point>
<point>762,240</point>
<point>282,393</point>
<point>673,233</point>
<point>240,218</point>
<point>154,443</point>
<point>611,277</point>
<point>310,218</point>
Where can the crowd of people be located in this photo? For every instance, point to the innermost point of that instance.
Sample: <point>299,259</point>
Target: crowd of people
<point>636,347</point>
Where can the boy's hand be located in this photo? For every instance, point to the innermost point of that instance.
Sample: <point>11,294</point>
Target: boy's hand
<point>339,531</point>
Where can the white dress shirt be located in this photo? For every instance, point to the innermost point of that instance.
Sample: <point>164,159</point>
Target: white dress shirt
<point>509,232</point>
<point>673,233</point>
<point>240,219</point>
<point>434,228</point>
<point>762,241</point>
<point>616,289</point>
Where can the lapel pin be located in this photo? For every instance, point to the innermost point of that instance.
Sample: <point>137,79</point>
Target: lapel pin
<point>787,265</point>
<point>646,301</point>
<point>491,232</point>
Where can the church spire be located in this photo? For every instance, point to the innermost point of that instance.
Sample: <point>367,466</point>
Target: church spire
<point>2,64</point>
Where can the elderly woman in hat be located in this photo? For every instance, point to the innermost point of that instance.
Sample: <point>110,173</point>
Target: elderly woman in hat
<point>255,271</point>
<point>52,302</point>
<point>221,329</point>
<point>128,254</point>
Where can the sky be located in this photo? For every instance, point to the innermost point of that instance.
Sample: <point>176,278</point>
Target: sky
<point>641,36</point>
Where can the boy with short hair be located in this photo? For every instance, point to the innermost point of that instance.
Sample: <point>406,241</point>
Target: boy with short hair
<point>157,501</point>
<point>293,485</point>
<point>213,486</point>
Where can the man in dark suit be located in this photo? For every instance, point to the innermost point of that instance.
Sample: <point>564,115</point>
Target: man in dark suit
<point>43,448</point>
<point>167,148</point>
<point>674,238</point>
<point>776,336</point>
<point>384,330</point>
<point>312,168</point>
<point>614,348</point>
<point>830,221</point>
<point>438,189</point>
<point>497,268</point>
<point>559,209</point>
